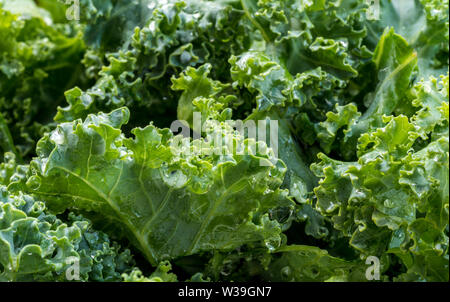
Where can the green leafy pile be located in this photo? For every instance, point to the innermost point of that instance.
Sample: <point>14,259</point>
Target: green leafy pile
<point>91,171</point>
